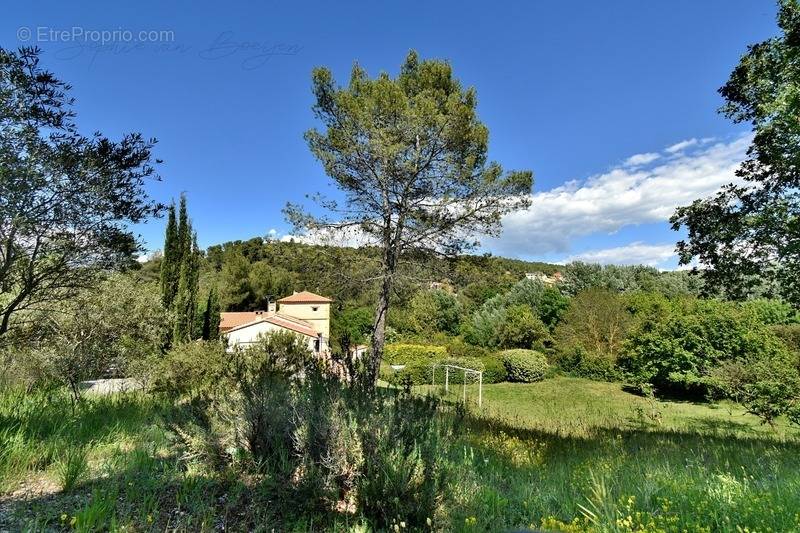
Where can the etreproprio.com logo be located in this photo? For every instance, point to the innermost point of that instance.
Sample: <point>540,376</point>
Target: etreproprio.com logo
<point>47,34</point>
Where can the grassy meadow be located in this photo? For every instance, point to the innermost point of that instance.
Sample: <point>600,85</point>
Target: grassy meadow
<point>561,455</point>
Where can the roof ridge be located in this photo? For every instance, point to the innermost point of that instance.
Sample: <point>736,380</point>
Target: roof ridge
<point>291,318</point>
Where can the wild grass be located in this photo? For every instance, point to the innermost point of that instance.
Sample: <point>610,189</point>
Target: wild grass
<point>72,467</point>
<point>564,454</point>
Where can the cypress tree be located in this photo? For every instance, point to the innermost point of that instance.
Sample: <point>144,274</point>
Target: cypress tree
<point>170,261</point>
<point>211,316</point>
<point>184,233</point>
<point>185,263</point>
<point>193,281</point>
<point>182,326</point>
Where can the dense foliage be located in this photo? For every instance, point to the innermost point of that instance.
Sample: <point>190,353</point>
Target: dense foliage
<point>747,236</point>
<point>524,366</point>
<point>66,200</point>
<point>677,348</point>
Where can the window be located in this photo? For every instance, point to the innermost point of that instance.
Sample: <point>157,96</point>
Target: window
<point>314,307</point>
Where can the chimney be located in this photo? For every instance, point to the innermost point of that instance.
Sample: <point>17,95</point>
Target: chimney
<point>270,306</point>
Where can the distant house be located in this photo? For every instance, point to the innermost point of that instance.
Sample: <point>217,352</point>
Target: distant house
<point>303,313</point>
<point>555,279</point>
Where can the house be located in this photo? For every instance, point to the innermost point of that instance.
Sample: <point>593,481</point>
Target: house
<point>555,279</point>
<point>304,313</point>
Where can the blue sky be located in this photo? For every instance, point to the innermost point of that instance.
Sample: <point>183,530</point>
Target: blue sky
<point>611,104</point>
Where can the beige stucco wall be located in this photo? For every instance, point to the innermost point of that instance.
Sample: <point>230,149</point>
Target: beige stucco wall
<point>248,335</point>
<point>319,315</point>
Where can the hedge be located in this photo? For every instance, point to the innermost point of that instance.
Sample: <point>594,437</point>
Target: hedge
<point>524,366</point>
<point>494,371</point>
<point>404,354</point>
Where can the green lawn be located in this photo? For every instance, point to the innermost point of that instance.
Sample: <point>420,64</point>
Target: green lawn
<point>574,406</point>
<point>565,454</point>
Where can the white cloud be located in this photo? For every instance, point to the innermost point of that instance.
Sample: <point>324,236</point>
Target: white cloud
<point>621,197</point>
<point>683,145</point>
<point>641,159</point>
<point>636,253</point>
<point>350,237</point>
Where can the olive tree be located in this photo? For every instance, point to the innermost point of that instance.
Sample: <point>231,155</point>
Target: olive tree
<point>66,200</point>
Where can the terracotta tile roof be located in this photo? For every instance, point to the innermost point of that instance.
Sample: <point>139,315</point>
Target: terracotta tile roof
<point>233,319</point>
<point>304,297</point>
<point>283,321</point>
<point>294,324</point>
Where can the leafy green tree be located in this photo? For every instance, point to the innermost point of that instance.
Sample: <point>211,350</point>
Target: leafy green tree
<point>268,283</point>
<point>118,326</point>
<point>750,233</point>
<point>66,200</point>
<point>235,290</point>
<point>410,157</point>
<point>434,311</point>
<point>552,306</point>
<point>521,328</point>
<point>596,322</point>
<point>483,327</point>
<point>350,328</point>
<point>771,312</point>
<point>768,387</point>
<point>679,348</point>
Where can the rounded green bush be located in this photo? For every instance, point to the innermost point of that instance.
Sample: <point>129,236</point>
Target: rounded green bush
<point>494,371</point>
<point>524,366</point>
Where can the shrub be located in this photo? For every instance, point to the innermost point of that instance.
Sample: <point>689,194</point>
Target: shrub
<point>789,334</point>
<point>324,444</point>
<point>402,473</point>
<point>263,376</point>
<point>578,362</point>
<point>193,368</point>
<point>494,371</point>
<point>459,348</point>
<point>768,387</point>
<point>771,312</point>
<point>677,350</point>
<point>418,360</point>
<point>524,366</point>
<point>325,438</point>
<point>403,354</point>
<point>416,373</point>
<point>420,371</point>
<point>521,328</point>
<point>457,376</point>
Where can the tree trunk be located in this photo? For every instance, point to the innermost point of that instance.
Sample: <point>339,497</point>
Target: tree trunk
<point>379,331</point>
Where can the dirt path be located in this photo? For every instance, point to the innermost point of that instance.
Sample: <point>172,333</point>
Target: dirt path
<point>108,386</point>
